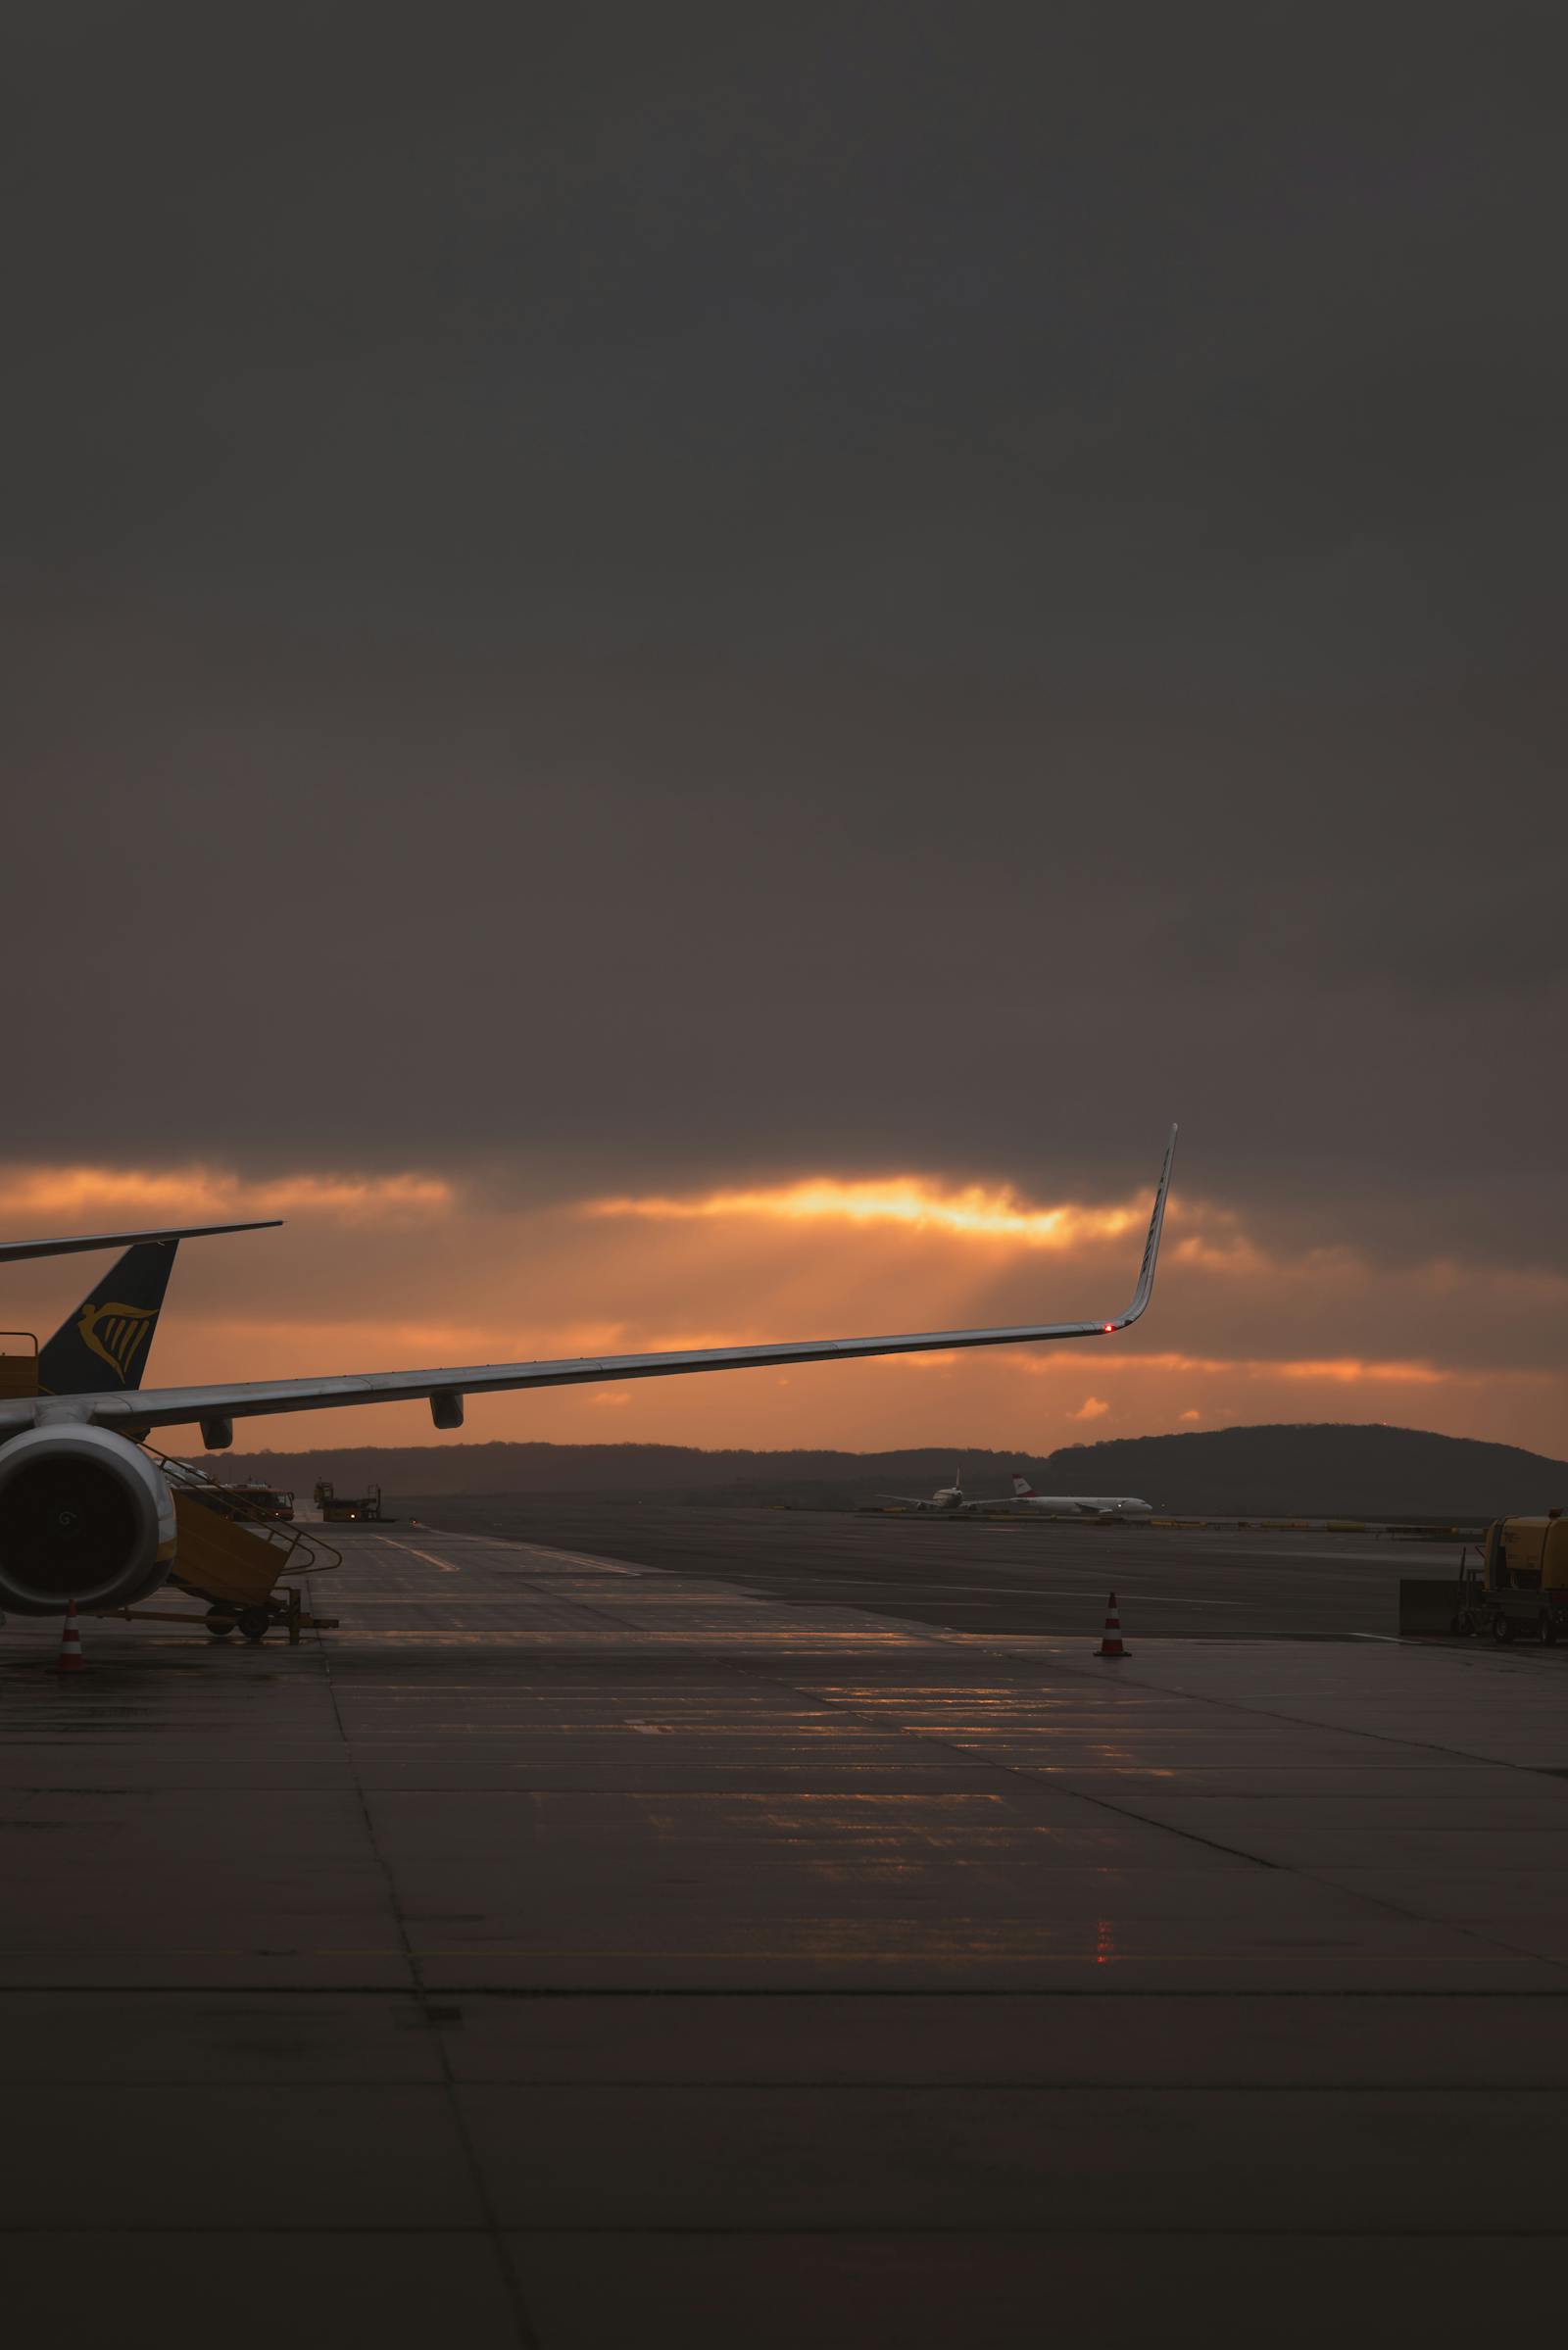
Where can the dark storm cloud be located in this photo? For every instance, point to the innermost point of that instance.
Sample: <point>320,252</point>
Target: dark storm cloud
<point>917,586</point>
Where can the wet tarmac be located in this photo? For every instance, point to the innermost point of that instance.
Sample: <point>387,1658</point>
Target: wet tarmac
<point>571,1951</point>
<point>993,1575</point>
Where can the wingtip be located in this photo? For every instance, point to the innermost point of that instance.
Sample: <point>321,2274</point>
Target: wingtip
<point>1146,1271</point>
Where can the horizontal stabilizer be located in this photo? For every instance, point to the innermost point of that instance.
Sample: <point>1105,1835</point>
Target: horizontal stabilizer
<point>12,1250</point>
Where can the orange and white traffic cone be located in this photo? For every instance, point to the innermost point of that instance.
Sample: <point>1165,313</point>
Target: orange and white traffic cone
<point>70,1656</point>
<point>1110,1643</point>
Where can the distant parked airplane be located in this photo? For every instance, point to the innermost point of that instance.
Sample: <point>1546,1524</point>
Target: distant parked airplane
<point>1071,1505</point>
<point>1024,1501</point>
<point>946,1496</point>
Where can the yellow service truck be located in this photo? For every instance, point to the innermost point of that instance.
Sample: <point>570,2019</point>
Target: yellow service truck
<point>1520,1589</point>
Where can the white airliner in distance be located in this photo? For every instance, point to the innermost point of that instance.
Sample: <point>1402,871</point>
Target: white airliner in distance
<point>1023,1501</point>
<point>947,1496</point>
<point>87,1516</point>
<point>1027,1502</point>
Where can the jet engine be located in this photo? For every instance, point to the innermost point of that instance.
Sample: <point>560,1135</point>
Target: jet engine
<point>84,1516</point>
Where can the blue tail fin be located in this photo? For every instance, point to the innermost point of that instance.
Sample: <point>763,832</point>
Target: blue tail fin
<point>104,1344</point>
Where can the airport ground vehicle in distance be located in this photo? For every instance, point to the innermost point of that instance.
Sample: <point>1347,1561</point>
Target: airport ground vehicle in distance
<point>88,1515</point>
<point>1520,1589</point>
<point>268,1501</point>
<point>343,1509</point>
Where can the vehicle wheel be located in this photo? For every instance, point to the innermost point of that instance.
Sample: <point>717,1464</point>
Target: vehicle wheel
<point>1502,1629</point>
<point>1549,1631</point>
<point>1461,1625</point>
<point>220,1623</point>
<point>255,1622</point>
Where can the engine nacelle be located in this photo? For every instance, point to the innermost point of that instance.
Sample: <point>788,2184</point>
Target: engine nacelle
<point>84,1516</point>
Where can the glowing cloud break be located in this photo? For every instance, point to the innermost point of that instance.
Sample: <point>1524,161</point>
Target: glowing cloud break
<point>973,1213</point>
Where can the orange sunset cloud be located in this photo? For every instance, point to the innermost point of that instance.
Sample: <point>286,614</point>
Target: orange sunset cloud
<point>194,1194</point>
<point>412,1268</point>
<point>971,1212</point>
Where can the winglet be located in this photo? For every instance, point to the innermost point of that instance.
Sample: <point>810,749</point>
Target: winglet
<point>1146,1271</point>
<point>12,1250</point>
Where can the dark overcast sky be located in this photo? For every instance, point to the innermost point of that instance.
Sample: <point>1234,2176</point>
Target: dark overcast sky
<point>698,594</point>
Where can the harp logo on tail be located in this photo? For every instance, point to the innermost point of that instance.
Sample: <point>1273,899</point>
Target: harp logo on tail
<point>115,1332</point>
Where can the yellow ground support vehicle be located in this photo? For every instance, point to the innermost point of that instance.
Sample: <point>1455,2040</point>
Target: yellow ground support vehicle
<point>18,1362</point>
<point>239,1562</point>
<point>1520,1589</point>
<point>236,1551</point>
<point>264,1501</point>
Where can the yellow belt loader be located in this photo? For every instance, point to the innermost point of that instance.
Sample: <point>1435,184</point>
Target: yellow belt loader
<point>1519,1589</point>
<point>240,1563</point>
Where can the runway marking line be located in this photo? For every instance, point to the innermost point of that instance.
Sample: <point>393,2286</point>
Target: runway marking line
<point>442,1566</point>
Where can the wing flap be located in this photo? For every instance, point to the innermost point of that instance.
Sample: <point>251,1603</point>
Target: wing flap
<point>164,1407</point>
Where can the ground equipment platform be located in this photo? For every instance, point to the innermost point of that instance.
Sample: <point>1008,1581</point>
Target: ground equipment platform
<point>242,1564</point>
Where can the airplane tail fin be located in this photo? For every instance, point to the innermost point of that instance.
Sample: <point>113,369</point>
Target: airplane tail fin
<point>1022,1488</point>
<point>104,1344</point>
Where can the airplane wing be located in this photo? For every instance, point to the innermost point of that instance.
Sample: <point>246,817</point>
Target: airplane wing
<point>444,1388</point>
<point>12,1250</point>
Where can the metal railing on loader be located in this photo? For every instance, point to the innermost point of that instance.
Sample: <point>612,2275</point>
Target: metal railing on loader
<point>237,1561</point>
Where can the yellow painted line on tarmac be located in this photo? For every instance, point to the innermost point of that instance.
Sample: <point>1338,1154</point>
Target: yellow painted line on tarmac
<point>442,1566</point>
<point>941,1954</point>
